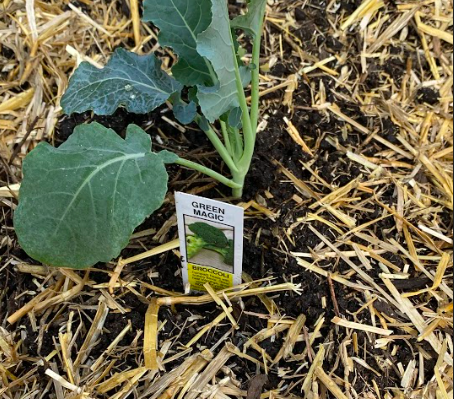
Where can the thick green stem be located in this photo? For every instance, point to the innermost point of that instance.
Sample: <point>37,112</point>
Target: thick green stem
<point>209,172</point>
<point>248,135</point>
<point>239,178</point>
<point>250,121</point>
<point>255,84</point>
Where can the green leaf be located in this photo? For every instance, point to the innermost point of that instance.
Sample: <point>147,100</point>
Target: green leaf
<point>180,22</point>
<point>216,44</point>
<point>235,118</point>
<point>245,71</point>
<point>183,111</point>
<point>210,234</point>
<point>135,82</point>
<point>80,203</point>
<point>168,157</point>
<point>192,95</point>
<point>252,21</point>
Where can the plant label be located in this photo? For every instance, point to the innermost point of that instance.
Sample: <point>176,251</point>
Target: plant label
<point>211,242</point>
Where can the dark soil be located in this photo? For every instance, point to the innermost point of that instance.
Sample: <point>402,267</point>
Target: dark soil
<point>267,258</point>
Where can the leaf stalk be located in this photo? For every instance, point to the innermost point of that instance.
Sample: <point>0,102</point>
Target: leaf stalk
<point>209,172</point>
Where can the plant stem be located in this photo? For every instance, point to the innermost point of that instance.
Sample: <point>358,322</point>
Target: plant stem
<point>255,84</point>
<point>217,143</point>
<point>238,144</point>
<point>239,178</point>
<point>227,142</point>
<point>209,172</point>
<point>250,120</point>
<point>249,137</point>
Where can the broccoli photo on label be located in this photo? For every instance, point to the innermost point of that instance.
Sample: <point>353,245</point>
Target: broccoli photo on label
<point>212,239</point>
<point>194,245</point>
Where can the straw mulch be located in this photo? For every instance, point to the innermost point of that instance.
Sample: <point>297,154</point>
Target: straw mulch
<point>399,277</point>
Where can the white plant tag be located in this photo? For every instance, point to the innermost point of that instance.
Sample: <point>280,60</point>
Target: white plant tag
<point>211,242</point>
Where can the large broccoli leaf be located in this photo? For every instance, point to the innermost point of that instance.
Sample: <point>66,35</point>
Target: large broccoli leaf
<point>135,82</point>
<point>80,203</point>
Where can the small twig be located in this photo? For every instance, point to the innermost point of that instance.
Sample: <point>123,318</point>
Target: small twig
<point>310,352</point>
<point>9,172</point>
<point>333,295</point>
<point>29,131</point>
<point>116,275</point>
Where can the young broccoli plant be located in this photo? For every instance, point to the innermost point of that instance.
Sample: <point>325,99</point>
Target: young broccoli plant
<point>207,85</point>
<point>212,239</point>
<point>80,203</point>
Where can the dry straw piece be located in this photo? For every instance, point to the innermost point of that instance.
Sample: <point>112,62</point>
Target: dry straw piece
<point>370,80</point>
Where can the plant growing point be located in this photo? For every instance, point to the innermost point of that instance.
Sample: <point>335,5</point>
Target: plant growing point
<point>80,203</point>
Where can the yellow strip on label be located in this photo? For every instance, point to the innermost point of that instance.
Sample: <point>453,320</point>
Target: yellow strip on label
<point>200,275</point>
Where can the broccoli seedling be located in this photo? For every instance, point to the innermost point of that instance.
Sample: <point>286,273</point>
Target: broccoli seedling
<point>79,204</point>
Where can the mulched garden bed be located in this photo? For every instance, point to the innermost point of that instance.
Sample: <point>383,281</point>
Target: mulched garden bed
<point>348,239</point>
